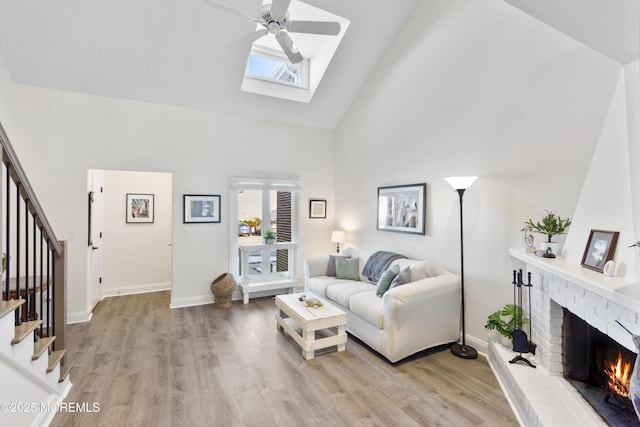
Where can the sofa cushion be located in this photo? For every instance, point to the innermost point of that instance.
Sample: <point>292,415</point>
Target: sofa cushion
<point>403,277</point>
<point>368,307</point>
<point>347,268</point>
<point>385,280</point>
<point>319,284</point>
<point>342,292</point>
<point>331,267</point>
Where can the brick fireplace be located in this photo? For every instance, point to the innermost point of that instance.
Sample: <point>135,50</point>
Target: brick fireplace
<point>542,396</point>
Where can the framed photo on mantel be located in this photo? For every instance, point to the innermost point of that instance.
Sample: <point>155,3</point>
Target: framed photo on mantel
<point>601,247</point>
<point>401,208</point>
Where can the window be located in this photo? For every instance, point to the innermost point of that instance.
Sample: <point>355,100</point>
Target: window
<point>273,66</point>
<point>263,204</point>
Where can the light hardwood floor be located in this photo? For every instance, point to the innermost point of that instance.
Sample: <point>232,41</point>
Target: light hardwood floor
<point>148,365</point>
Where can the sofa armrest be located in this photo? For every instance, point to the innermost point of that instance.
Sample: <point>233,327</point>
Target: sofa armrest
<point>421,294</point>
<point>421,314</point>
<point>316,266</point>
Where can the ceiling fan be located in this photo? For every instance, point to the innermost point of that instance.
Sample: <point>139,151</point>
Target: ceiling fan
<point>274,18</point>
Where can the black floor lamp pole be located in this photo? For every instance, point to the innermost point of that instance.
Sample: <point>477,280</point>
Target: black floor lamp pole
<point>462,350</point>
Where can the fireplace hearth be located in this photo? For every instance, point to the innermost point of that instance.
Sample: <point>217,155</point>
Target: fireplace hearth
<point>600,370</point>
<point>543,396</point>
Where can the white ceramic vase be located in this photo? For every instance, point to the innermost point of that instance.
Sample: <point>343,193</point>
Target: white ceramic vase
<point>552,245</point>
<point>506,342</point>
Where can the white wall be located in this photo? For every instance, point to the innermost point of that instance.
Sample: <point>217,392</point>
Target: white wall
<point>136,256</point>
<point>632,88</point>
<point>473,88</point>
<point>605,199</point>
<point>59,135</point>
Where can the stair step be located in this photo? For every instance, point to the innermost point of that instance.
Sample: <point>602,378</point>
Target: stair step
<point>54,359</point>
<point>7,307</point>
<point>24,329</point>
<point>64,372</point>
<point>40,346</point>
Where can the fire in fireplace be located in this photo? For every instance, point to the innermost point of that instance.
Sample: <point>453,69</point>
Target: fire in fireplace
<point>600,369</point>
<point>619,376</point>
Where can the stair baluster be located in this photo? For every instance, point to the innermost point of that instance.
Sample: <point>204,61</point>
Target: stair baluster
<point>35,264</point>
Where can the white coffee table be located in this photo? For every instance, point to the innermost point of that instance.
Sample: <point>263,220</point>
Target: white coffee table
<point>292,312</point>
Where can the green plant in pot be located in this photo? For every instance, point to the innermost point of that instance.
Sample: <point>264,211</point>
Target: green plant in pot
<point>269,237</point>
<point>504,321</point>
<point>550,225</point>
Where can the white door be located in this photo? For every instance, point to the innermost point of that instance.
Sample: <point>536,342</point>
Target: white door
<point>94,248</point>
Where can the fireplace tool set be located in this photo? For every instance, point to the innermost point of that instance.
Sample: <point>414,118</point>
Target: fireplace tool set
<point>521,343</point>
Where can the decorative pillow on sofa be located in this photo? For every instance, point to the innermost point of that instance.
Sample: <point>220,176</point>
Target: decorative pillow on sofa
<point>385,279</point>
<point>420,270</point>
<point>331,268</point>
<point>347,268</point>
<point>403,277</point>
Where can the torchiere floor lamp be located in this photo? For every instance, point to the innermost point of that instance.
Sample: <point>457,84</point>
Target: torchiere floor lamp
<point>460,184</point>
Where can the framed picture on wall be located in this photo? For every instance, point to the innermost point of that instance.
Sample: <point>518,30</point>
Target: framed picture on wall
<point>201,208</point>
<point>401,208</point>
<point>139,208</point>
<point>317,208</point>
<point>601,247</point>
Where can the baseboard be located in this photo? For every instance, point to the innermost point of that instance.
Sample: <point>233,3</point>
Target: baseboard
<point>135,289</point>
<point>191,301</point>
<point>79,317</point>
<point>482,347</point>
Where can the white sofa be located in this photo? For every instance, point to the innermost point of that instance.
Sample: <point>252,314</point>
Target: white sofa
<point>407,319</point>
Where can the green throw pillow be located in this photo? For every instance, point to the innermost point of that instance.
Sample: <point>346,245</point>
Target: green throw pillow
<point>347,268</point>
<point>403,277</point>
<point>385,280</point>
<point>331,268</point>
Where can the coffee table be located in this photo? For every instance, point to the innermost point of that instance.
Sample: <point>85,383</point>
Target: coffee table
<point>302,323</point>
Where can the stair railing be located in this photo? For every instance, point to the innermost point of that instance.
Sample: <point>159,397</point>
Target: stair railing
<point>33,259</point>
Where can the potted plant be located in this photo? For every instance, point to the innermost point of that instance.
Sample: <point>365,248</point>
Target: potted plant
<point>551,225</point>
<point>504,322</point>
<point>269,237</point>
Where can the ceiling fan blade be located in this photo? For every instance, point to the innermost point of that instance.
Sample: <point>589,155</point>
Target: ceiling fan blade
<point>289,49</point>
<point>314,27</point>
<point>229,9</point>
<point>251,37</point>
<point>279,8</point>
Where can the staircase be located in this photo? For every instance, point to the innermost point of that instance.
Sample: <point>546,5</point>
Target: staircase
<point>34,375</point>
<point>33,383</point>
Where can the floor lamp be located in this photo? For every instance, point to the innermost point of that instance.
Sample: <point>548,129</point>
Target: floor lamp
<point>460,184</point>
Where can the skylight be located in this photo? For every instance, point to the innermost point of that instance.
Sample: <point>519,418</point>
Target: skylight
<point>274,67</point>
<point>268,72</point>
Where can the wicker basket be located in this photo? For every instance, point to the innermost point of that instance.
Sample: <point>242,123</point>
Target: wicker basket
<point>222,288</point>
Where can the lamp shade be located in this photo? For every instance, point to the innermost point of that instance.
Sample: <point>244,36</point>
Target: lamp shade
<point>338,237</point>
<point>461,182</point>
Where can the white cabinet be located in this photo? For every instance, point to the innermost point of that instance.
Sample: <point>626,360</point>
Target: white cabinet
<point>265,257</point>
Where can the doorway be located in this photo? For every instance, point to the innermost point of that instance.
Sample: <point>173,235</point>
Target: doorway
<point>128,257</point>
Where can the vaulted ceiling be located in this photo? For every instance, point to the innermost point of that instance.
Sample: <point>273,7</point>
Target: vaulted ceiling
<point>181,52</point>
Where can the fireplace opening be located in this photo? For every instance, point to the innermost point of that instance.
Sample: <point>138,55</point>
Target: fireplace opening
<point>600,369</point>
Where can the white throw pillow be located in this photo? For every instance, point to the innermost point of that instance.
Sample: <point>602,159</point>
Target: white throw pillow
<point>420,270</point>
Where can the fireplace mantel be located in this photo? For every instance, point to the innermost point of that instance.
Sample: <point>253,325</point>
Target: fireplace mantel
<point>541,396</point>
<point>615,289</point>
